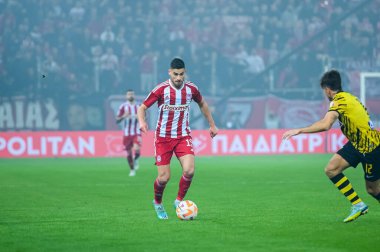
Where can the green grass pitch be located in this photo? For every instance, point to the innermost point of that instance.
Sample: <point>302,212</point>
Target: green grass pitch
<point>251,203</point>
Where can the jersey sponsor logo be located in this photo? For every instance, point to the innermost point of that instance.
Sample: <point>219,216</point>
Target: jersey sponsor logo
<point>175,107</point>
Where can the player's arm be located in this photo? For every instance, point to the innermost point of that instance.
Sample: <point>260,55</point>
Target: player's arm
<point>322,125</point>
<point>141,117</point>
<point>121,115</point>
<point>119,119</point>
<point>149,101</point>
<point>207,114</point>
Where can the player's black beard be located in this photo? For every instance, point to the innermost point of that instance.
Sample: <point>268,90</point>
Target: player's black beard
<point>177,84</point>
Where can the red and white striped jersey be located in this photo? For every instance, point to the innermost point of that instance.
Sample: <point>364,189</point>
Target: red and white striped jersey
<point>173,108</point>
<point>130,124</point>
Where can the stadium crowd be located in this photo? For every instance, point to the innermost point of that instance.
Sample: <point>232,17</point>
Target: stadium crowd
<point>88,47</point>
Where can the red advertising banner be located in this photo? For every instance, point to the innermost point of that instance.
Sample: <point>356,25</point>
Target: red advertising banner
<point>21,113</point>
<point>61,144</point>
<point>109,143</point>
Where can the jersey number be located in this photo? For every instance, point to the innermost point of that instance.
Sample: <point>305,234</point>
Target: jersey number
<point>189,142</point>
<point>368,169</point>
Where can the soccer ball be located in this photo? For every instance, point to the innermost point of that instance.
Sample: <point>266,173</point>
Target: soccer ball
<point>187,210</point>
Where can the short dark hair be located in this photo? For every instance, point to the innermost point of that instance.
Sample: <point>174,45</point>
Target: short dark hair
<point>177,63</point>
<point>332,80</point>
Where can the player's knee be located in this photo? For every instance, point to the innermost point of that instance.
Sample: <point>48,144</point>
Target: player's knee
<point>164,177</point>
<point>189,172</point>
<point>373,190</point>
<point>331,170</point>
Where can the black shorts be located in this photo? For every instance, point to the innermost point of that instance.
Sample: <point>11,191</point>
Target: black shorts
<point>370,161</point>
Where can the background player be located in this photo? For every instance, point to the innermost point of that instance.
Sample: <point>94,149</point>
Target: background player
<point>132,136</point>
<point>363,145</point>
<point>172,134</point>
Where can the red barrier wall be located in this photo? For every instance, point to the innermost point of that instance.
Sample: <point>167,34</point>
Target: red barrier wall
<point>109,143</point>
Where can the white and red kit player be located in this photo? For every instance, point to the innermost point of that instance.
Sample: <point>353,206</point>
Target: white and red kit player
<point>172,135</point>
<point>127,114</point>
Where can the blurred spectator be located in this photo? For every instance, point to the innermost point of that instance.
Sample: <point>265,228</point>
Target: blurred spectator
<point>107,36</point>
<point>49,65</point>
<point>77,12</point>
<point>241,55</point>
<point>255,63</point>
<point>164,56</point>
<point>109,65</point>
<point>147,69</point>
<point>80,30</point>
<point>308,68</point>
<point>288,78</point>
<point>128,68</point>
<point>273,53</point>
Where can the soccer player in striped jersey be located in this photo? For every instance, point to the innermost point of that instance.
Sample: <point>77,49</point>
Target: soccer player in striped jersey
<point>127,114</point>
<point>172,134</point>
<point>363,144</point>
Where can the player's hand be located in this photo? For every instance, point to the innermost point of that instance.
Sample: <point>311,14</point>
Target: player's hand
<point>126,115</point>
<point>143,127</point>
<point>213,131</point>
<point>288,134</point>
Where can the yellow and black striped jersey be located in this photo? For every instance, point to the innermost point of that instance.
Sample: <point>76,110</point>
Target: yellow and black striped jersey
<point>355,122</point>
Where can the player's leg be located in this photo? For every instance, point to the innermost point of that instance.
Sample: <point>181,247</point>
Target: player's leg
<point>334,170</point>
<point>185,153</point>
<point>371,167</point>
<point>161,181</point>
<point>130,161</point>
<point>127,141</point>
<point>164,153</point>
<point>159,187</point>
<point>373,188</point>
<point>345,158</point>
<point>136,150</point>
<point>187,163</point>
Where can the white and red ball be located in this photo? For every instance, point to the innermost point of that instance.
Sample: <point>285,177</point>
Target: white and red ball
<point>187,210</point>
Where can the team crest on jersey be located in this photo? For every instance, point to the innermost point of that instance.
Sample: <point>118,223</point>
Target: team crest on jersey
<point>371,125</point>
<point>331,104</point>
<point>188,96</point>
<point>158,158</point>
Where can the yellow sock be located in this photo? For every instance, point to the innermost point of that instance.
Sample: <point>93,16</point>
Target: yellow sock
<point>345,187</point>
